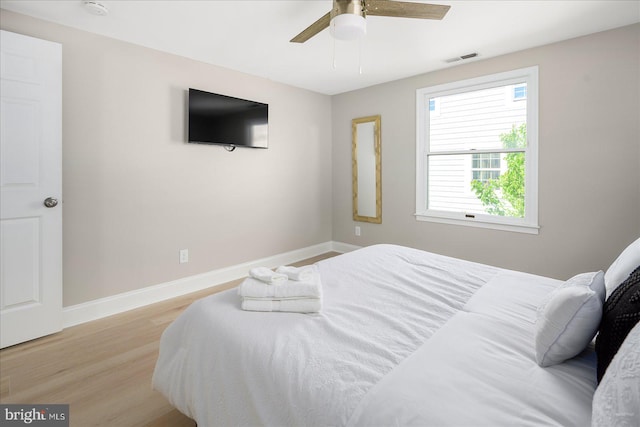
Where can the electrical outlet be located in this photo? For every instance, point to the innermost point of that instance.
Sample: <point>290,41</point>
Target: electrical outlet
<point>184,256</point>
<point>357,230</point>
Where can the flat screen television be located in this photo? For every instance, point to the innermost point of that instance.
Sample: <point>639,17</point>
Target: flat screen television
<point>225,120</point>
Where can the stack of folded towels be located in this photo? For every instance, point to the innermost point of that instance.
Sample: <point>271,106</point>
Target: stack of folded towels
<point>293,289</point>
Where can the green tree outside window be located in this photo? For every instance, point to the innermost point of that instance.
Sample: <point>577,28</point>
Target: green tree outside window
<point>505,196</point>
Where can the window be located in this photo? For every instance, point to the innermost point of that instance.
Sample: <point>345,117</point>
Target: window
<point>477,157</point>
<point>485,167</point>
<point>434,108</point>
<point>519,92</point>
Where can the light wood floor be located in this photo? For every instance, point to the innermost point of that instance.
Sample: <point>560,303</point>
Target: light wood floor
<point>102,369</point>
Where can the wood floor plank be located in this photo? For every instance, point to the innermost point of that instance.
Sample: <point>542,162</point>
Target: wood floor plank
<point>5,387</point>
<point>102,369</point>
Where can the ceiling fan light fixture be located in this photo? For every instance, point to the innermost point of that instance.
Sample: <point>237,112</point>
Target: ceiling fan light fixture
<point>348,26</point>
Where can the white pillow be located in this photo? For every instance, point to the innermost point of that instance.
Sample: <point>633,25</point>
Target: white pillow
<point>567,322</point>
<point>593,281</point>
<point>616,401</point>
<point>622,267</point>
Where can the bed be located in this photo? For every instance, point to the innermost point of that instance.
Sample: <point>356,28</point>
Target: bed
<point>405,337</point>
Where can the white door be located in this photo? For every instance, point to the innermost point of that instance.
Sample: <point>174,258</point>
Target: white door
<point>31,172</point>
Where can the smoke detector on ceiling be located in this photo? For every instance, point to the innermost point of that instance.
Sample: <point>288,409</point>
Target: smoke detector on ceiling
<point>96,8</point>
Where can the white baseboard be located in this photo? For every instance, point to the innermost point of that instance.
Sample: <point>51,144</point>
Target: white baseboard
<point>344,247</point>
<point>103,307</point>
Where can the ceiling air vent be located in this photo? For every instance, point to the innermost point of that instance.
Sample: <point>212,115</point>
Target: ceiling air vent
<point>462,57</point>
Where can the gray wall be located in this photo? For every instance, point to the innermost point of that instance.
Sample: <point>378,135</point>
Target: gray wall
<point>589,168</point>
<point>134,191</point>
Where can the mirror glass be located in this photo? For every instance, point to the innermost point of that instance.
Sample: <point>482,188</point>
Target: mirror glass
<point>365,149</point>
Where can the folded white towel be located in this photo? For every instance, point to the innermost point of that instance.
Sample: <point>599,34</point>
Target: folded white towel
<point>293,305</point>
<point>268,276</point>
<point>296,273</point>
<point>311,288</point>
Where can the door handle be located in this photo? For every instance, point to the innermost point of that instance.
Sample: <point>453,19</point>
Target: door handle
<point>50,202</point>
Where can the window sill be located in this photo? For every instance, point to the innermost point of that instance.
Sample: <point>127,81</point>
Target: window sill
<point>479,222</point>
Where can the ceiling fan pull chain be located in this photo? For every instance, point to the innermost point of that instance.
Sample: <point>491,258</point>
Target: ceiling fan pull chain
<point>360,42</point>
<point>334,54</point>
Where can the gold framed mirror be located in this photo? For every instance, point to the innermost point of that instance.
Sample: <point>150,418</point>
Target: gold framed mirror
<point>366,169</point>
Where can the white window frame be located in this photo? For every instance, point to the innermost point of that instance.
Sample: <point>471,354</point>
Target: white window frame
<point>528,224</point>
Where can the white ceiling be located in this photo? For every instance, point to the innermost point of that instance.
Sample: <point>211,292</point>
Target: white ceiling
<point>253,36</point>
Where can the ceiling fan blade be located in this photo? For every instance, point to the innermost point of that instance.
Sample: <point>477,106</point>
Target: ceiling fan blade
<point>403,9</point>
<point>313,29</point>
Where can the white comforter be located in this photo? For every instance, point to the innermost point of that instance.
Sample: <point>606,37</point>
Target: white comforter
<point>400,341</point>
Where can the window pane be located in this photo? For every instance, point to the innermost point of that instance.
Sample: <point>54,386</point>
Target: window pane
<point>448,189</point>
<point>476,120</point>
<point>454,186</point>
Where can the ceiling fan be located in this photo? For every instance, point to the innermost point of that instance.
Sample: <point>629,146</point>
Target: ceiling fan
<point>347,17</point>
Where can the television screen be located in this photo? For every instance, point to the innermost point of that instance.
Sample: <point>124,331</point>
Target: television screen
<point>221,119</point>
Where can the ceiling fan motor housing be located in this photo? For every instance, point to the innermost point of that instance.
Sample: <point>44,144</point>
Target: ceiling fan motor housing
<point>351,7</point>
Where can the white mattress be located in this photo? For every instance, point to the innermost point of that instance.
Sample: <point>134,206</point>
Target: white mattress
<point>405,338</point>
